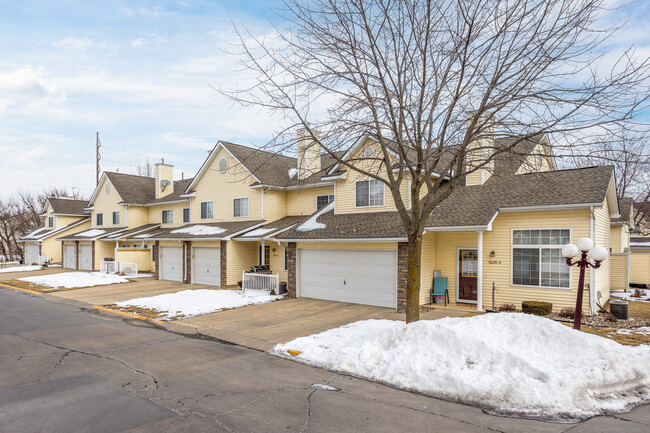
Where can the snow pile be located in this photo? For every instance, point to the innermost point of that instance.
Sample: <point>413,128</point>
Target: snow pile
<point>640,244</point>
<point>21,269</point>
<point>509,364</point>
<point>91,233</point>
<point>258,232</point>
<point>190,303</point>
<point>70,280</point>
<point>37,233</point>
<point>200,230</point>
<point>628,296</point>
<point>146,235</point>
<point>312,223</point>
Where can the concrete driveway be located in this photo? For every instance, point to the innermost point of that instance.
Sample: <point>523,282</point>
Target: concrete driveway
<point>262,326</point>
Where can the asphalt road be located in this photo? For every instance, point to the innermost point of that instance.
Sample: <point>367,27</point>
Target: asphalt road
<point>66,368</point>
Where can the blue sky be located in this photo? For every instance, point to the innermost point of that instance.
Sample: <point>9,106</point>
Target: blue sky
<point>139,73</point>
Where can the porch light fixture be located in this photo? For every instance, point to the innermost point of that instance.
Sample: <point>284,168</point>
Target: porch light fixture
<point>587,252</point>
<point>492,254</point>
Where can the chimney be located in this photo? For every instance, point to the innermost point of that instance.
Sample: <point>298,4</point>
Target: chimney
<point>479,151</point>
<point>164,179</point>
<point>308,154</point>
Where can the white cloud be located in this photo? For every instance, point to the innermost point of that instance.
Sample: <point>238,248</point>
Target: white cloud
<point>74,44</point>
<point>137,43</point>
<point>30,87</point>
<point>32,156</point>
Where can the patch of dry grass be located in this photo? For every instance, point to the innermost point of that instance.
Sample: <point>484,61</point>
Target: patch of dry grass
<point>47,289</point>
<point>145,312</point>
<point>639,309</point>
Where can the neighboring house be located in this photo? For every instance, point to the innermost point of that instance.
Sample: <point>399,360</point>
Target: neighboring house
<point>621,228</point>
<point>62,215</point>
<point>640,261</point>
<point>333,234</point>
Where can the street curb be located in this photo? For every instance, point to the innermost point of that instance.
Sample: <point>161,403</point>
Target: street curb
<point>131,315</point>
<point>22,290</point>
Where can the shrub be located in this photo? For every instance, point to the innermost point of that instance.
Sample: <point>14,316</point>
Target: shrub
<point>537,308</point>
<point>239,284</point>
<point>567,312</point>
<point>609,317</point>
<point>507,308</point>
<point>638,293</point>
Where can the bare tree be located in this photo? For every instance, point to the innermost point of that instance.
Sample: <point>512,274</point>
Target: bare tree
<point>144,169</point>
<point>433,81</point>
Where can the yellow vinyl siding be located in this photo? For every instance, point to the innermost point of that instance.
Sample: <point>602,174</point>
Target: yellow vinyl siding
<point>106,204</point>
<point>275,205</point>
<point>473,178</point>
<point>616,239</point>
<point>617,272</point>
<point>140,256</point>
<point>240,256</point>
<point>445,260</point>
<point>537,162</point>
<point>277,262</point>
<point>137,216</point>
<point>303,201</point>
<point>640,268</point>
<point>603,228</point>
<point>155,214</point>
<point>222,187</point>
<point>428,265</point>
<point>52,247</point>
<point>63,220</point>
<point>102,250</point>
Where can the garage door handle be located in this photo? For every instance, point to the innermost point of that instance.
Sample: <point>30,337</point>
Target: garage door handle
<point>344,282</point>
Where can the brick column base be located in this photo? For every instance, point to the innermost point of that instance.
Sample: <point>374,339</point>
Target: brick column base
<point>93,259</point>
<point>76,250</point>
<point>157,260</point>
<point>223,268</point>
<point>188,262</point>
<point>62,254</point>
<point>402,269</point>
<point>291,271</point>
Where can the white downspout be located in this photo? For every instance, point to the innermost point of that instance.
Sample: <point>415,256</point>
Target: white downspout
<point>592,271</point>
<point>262,216</point>
<point>479,279</point>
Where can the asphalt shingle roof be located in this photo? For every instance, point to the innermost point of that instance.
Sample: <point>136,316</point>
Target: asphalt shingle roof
<point>91,234</point>
<point>625,209</point>
<point>193,231</point>
<point>179,188</point>
<point>133,189</point>
<point>273,227</point>
<point>66,206</point>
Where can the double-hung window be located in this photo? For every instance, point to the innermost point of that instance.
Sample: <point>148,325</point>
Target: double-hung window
<point>537,258</point>
<point>207,210</point>
<point>116,218</point>
<point>186,215</point>
<point>369,193</point>
<point>167,216</point>
<point>240,207</point>
<point>100,219</point>
<point>323,200</point>
<point>50,221</point>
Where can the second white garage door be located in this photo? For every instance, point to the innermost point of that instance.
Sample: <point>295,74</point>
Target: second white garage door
<point>86,257</point>
<point>361,277</point>
<point>31,253</point>
<point>69,257</point>
<point>207,266</point>
<point>171,263</point>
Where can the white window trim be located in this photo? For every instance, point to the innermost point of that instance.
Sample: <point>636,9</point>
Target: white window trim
<point>458,250</point>
<point>201,213</point>
<point>118,218</point>
<point>512,261</point>
<point>162,218</point>
<point>50,221</point>
<point>248,207</point>
<point>189,214</point>
<point>96,219</point>
<point>328,200</point>
<point>383,197</point>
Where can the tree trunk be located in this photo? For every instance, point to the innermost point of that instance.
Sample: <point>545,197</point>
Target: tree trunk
<point>413,273</point>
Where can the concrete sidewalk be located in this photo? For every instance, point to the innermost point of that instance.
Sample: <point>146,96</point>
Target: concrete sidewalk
<point>263,326</point>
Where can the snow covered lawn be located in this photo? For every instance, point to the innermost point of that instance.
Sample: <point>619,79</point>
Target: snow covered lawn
<point>21,269</point>
<point>69,280</point>
<point>627,296</point>
<point>508,363</point>
<point>188,303</point>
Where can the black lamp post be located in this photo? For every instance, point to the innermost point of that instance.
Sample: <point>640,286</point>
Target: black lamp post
<point>587,252</point>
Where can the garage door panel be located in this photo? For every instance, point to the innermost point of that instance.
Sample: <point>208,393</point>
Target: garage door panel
<point>86,257</point>
<point>31,253</point>
<point>171,265</point>
<point>207,266</point>
<point>364,277</point>
<point>70,257</point>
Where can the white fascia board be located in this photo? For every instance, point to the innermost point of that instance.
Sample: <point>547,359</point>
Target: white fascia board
<point>156,227</point>
<point>166,203</point>
<point>267,237</point>
<point>289,188</point>
<point>182,239</point>
<point>241,232</point>
<point>460,228</point>
<point>551,207</point>
<point>68,214</point>
<point>342,176</point>
<point>192,194</point>
<point>346,240</point>
<point>97,189</point>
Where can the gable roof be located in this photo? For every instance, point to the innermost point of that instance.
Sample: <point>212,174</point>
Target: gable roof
<point>91,234</point>
<point>508,162</point>
<point>625,210</point>
<point>271,229</point>
<point>131,188</point>
<point>179,189</point>
<point>200,231</point>
<point>44,232</point>
<point>66,206</point>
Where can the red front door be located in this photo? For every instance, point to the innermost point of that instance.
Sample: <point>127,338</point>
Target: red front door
<point>467,278</point>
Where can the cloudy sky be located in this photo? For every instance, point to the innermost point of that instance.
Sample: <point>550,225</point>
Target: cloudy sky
<point>139,73</point>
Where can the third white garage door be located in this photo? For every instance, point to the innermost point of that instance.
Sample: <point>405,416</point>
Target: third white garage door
<point>207,266</point>
<point>171,263</point>
<point>358,276</point>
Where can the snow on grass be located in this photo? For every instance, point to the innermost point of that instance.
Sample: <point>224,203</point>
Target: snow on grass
<point>21,268</point>
<point>509,364</point>
<point>628,296</point>
<point>190,303</point>
<point>200,230</point>
<point>312,223</point>
<point>91,233</point>
<point>68,280</point>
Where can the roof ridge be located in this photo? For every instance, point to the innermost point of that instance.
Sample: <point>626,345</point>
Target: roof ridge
<point>229,143</point>
<point>130,175</point>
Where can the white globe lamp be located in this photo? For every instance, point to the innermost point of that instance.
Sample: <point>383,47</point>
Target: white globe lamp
<point>569,251</point>
<point>585,244</point>
<point>598,253</point>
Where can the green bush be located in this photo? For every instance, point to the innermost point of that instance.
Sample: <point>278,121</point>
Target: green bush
<point>537,308</point>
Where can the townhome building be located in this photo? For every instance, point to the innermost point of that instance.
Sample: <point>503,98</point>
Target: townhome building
<point>333,234</point>
<point>62,216</point>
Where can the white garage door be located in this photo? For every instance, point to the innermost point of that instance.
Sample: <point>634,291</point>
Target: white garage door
<point>31,253</point>
<point>207,266</point>
<point>86,257</point>
<point>171,263</point>
<point>360,277</point>
<point>69,257</point>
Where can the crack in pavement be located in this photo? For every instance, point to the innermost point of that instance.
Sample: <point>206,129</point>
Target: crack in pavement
<point>55,366</point>
<point>95,355</point>
<point>304,429</point>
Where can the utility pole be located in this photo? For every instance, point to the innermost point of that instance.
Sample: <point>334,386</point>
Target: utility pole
<point>98,144</point>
